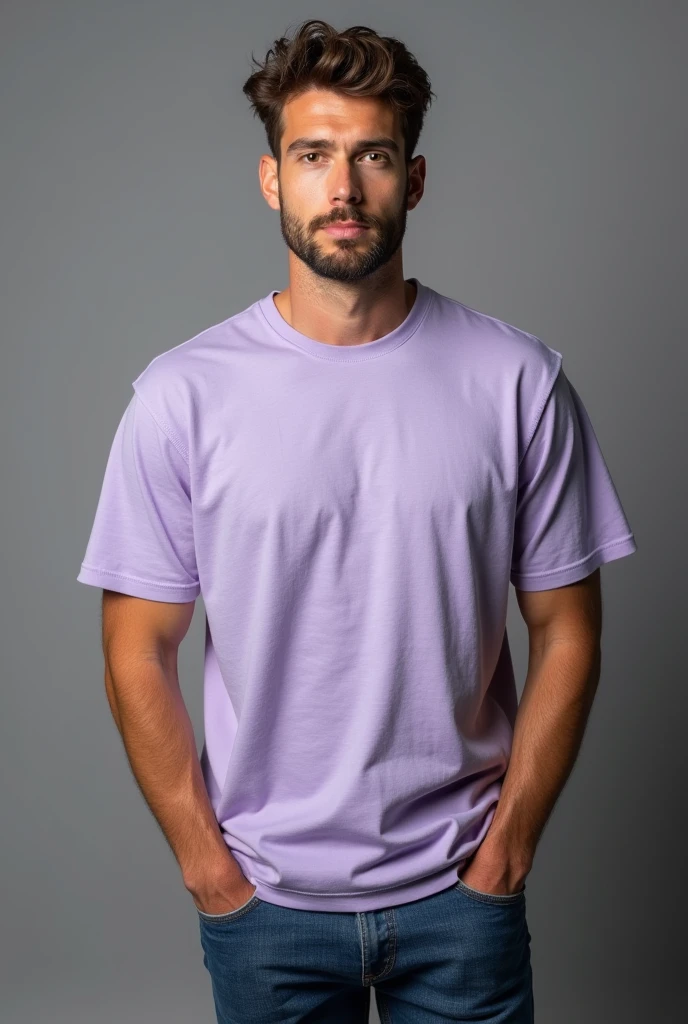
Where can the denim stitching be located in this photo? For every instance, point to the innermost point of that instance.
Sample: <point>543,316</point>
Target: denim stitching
<point>363,932</point>
<point>488,897</point>
<point>243,909</point>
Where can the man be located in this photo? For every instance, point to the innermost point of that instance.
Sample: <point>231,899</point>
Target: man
<point>351,472</point>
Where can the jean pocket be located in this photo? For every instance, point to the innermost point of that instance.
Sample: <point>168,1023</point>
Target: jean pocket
<point>250,903</point>
<point>489,897</point>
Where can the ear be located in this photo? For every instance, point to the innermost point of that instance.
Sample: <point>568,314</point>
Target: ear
<point>269,180</point>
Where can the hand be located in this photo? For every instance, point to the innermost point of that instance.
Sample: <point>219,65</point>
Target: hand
<point>492,874</point>
<point>223,896</point>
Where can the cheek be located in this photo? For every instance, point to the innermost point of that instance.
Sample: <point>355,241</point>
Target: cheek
<point>305,191</point>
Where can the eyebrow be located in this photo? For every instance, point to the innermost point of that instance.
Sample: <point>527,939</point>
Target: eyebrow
<point>383,142</point>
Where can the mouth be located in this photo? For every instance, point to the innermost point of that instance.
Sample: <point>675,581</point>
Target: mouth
<point>345,229</point>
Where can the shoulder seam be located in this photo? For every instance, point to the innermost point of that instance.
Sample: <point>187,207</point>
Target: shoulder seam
<point>166,430</point>
<point>534,337</point>
<point>543,403</point>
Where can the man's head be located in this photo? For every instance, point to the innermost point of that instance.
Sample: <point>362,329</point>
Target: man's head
<point>343,112</point>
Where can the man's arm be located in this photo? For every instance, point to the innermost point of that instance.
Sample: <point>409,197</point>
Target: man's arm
<point>564,628</point>
<point>140,644</point>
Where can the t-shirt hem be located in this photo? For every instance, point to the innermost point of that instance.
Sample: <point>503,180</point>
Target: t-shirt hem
<point>359,902</point>
<point>579,570</point>
<point>110,580</point>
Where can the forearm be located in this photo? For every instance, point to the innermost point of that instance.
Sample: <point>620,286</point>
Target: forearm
<point>557,697</point>
<point>158,737</point>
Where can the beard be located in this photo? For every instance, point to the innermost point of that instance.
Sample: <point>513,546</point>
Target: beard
<point>353,258</point>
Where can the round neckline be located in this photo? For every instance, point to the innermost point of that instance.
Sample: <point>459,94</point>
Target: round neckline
<point>349,353</point>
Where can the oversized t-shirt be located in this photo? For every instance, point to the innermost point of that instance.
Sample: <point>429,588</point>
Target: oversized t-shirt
<point>352,516</point>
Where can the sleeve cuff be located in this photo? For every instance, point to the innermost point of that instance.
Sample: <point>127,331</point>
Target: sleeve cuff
<point>578,570</point>
<point>108,580</point>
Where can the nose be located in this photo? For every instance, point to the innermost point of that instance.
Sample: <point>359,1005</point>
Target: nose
<point>344,187</point>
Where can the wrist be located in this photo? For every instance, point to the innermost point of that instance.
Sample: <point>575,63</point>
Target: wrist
<point>215,868</point>
<point>212,880</point>
<point>504,848</point>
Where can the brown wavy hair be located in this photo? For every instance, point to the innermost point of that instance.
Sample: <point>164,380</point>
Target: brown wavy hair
<point>355,62</point>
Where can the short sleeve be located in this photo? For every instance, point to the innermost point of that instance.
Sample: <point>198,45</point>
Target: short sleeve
<point>142,541</point>
<point>568,519</point>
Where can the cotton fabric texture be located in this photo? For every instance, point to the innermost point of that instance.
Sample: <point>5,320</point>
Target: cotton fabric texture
<point>352,517</point>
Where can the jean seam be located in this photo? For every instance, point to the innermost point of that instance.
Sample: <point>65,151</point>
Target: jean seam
<point>243,909</point>
<point>486,897</point>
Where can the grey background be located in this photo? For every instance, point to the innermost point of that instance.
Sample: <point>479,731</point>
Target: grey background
<point>132,220</point>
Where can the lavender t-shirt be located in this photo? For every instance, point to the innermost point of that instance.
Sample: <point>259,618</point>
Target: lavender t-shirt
<point>352,517</point>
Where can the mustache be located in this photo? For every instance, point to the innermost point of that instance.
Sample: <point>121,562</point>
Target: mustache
<point>337,218</point>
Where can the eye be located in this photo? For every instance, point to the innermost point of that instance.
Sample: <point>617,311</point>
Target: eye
<point>372,153</point>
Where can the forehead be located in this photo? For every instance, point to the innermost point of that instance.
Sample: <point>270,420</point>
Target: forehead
<point>325,112</point>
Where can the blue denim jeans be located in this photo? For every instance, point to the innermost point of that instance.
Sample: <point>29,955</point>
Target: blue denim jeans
<point>458,955</point>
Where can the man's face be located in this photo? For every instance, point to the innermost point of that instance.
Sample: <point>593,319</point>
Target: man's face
<point>342,159</point>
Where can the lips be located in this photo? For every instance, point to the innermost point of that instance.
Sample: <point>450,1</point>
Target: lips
<point>345,229</point>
